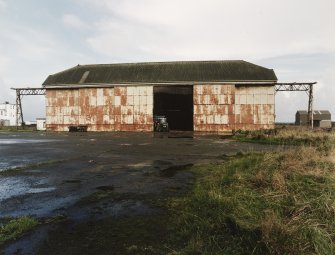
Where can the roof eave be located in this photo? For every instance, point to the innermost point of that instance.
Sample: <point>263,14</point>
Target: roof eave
<point>89,85</point>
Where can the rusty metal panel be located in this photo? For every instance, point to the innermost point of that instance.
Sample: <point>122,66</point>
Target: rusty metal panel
<point>127,127</point>
<point>216,89</point>
<point>271,99</point>
<point>117,100</point>
<point>142,100</point>
<point>237,100</point>
<point>150,99</point>
<point>120,90</point>
<point>250,99</point>
<point>197,90</point>
<point>257,99</point>
<point>127,110</point>
<point>144,91</point>
<point>143,127</point>
<point>258,115</point>
<point>271,120</point>
<point>264,99</point>
<point>127,119</point>
<point>243,99</point>
<point>237,109</point>
<point>130,90</point>
<point>213,107</point>
<point>136,100</point>
<point>117,119</point>
<point>263,110</point>
<point>130,100</point>
<point>92,101</point>
<point>100,96</point>
<point>247,114</point>
<point>216,107</point>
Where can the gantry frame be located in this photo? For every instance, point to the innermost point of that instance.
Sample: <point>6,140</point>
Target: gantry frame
<point>20,92</point>
<point>288,86</point>
<point>300,86</point>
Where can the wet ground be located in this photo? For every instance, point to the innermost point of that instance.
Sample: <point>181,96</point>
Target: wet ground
<point>69,175</point>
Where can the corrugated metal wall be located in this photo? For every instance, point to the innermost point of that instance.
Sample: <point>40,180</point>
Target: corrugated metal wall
<point>214,107</point>
<point>217,108</point>
<point>101,109</point>
<point>254,107</point>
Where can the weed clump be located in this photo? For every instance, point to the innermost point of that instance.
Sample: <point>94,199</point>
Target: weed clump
<point>14,228</point>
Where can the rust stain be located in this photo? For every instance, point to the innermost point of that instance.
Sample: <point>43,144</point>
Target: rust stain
<point>119,91</point>
<point>131,108</point>
<point>127,127</point>
<point>117,110</point>
<point>123,100</point>
<point>117,119</point>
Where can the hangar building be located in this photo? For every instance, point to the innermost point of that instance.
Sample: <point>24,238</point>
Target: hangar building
<point>210,96</point>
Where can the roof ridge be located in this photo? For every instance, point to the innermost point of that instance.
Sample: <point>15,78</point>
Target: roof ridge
<point>256,65</point>
<point>68,69</point>
<point>164,62</point>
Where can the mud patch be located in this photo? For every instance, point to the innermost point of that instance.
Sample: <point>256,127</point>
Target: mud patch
<point>171,171</point>
<point>72,181</point>
<point>105,188</point>
<point>122,235</point>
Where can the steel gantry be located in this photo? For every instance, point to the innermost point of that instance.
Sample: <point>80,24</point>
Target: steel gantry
<point>20,92</point>
<point>300,86</point>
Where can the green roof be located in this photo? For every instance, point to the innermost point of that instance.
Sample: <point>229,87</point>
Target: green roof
<point>163,72</point>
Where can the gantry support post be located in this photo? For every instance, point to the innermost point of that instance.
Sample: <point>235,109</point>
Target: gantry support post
<point>19,115</point>
<point>300,86</point>
<point>310,106</point>
<point>21,92</point>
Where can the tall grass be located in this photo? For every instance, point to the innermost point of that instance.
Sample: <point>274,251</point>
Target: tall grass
<point>323,140</point>
<point>272,203</point>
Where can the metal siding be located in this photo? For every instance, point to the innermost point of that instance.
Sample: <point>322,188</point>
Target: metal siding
<point>254,107</point>
<point>214,107</point>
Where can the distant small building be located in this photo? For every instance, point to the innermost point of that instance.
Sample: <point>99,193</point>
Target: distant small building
<point>7,114</point>
<point>40,124</point>
<point>30,123</point>
<point>320,118</point>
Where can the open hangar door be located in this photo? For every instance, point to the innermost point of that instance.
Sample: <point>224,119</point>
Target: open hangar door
<point>176,103</point>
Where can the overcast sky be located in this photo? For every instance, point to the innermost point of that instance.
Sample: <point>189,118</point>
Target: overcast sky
<point>294,37</point>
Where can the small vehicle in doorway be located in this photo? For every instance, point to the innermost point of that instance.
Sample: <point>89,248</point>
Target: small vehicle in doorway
<point>161,124</point>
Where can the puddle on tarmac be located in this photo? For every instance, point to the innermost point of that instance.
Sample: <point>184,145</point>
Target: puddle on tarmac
<point>43,207</point>
<point>11,163</point>
<point>18,141</point>
<point>14,186</point>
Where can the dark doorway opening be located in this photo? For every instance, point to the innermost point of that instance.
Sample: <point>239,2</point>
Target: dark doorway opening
<point>176,103</point>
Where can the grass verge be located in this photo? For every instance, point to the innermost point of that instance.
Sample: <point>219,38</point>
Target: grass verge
<point>272,203</point>
<point>14,228</point>
<point>323,140</point>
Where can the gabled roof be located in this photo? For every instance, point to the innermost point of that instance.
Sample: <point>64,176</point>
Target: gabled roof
<point>315,112</point>
<point>163,72</point>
